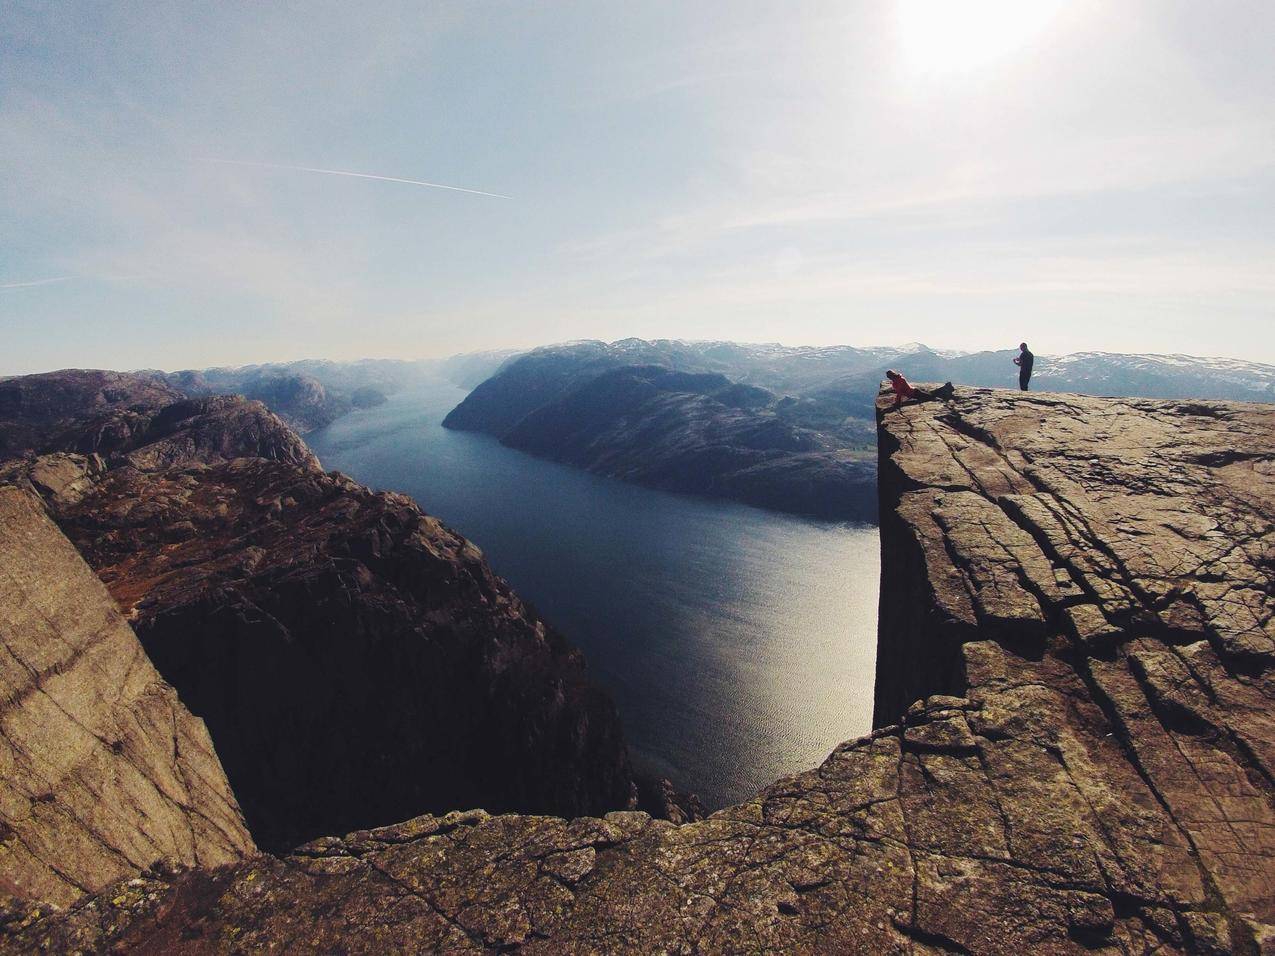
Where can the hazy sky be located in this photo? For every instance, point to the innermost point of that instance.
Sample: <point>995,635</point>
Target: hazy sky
<point>967,173</point>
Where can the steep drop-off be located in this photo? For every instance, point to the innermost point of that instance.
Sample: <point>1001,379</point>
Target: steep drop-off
<point>104,774</point>
<point>356,662</point>
<point>1098,778</point>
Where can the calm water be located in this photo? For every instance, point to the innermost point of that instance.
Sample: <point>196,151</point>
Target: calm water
<point>737,643</point>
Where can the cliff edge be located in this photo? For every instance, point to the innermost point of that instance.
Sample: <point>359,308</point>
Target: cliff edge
<point>1076,638</point>
<point>354,661</point>
<point>104,774</point>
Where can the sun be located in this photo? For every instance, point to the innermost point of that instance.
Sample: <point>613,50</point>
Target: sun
<point>955,36</point>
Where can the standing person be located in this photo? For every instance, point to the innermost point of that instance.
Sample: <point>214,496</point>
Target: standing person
<point>1024,362</point>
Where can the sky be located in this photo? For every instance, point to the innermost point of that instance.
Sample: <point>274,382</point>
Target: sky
<point>1081,174</point>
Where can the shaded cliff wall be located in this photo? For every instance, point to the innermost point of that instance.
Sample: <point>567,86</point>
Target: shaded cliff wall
<point>919,637</point>
<point>356,662</point>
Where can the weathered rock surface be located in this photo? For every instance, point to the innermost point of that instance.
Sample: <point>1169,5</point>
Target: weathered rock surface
<point>1115,559</point>
<point>104,774</point>
<point>300,399</point>
<point>136,419</point>
<point>1081,592</point>
<point>82,410</point>
<point>214,430</point>
<point>356,662</point>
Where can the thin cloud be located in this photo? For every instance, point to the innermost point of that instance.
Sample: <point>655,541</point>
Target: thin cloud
<point>33,282</point>
<point>343,172</point>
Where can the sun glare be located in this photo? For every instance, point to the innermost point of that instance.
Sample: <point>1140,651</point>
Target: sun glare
<point>953,36</point>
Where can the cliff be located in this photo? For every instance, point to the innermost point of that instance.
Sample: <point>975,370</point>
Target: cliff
<point>1110,564</point>
<point>104,774</point>
<point>1086,767</point>
<point>300,399</point>
<point>356,662</point>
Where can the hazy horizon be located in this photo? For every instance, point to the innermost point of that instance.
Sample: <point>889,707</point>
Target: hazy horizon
<point>294,360</point>
<point>242,184</point>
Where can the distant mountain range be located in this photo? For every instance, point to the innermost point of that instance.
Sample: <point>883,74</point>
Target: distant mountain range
<point>789,428</point>
<point>807,370</point>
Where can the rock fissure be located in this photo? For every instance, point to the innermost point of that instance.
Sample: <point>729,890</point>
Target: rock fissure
<point>1215,898</point>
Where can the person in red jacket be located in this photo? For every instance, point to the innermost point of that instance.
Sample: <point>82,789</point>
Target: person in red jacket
<point>903,389</point>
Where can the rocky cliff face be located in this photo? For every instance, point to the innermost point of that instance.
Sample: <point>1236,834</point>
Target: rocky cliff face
<point>139,420</point>
<point>104,774</point>
<point>1110,564</point>
<point>356,662</point>
<point>76,410</point>
<point>1096,578</point>
<point>299,399</point>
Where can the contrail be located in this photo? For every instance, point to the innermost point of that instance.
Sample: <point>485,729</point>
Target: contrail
<point>343,172</point>
<point>28,284</point>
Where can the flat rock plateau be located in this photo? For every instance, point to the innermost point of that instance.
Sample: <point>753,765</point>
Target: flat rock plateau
<point>1075,748</point>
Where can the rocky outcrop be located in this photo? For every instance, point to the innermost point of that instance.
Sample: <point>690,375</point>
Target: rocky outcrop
<point>136,420</point>
<point>299,399</point>
<point>1098,577</point>
<point>214,430</point>
<point>77,410</point>
<point>1114,561</point>
<point>104,774</point>
<point>356,662</point>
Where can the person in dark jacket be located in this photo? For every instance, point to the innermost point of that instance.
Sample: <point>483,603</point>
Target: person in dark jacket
<point>1024,362</point>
